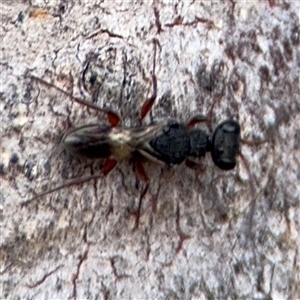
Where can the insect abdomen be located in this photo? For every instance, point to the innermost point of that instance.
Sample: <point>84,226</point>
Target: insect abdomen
<point>90,141</point>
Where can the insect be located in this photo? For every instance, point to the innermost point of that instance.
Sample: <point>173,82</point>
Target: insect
<point>167,143</point>
<point>170,142</point>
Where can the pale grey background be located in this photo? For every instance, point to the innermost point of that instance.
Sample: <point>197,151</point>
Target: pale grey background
<point>214,234</point>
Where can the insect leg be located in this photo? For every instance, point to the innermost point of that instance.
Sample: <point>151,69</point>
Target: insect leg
<point>194,120</point>
<point>137,219</point>
<point>146,107</point>
<point>140,171</point>
<point>109,164</point>
<point>64,185</point>
<point>142,175</point>
<point>113,117</point>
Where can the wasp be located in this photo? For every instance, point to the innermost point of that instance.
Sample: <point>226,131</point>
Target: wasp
<point>170,142</point>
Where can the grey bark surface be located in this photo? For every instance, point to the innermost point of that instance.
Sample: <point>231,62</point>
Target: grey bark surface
<point>209,233</point>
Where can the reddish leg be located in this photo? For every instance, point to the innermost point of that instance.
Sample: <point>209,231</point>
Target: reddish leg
<point>109,164</point>
<point>140,171</point>
<point>64,185</point>
<point>146,107</point>
<point>142,175</point>
<point>196,120</point>
<point>113,117</point>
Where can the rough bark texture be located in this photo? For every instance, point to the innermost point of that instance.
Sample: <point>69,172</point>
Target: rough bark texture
<point>209,234</point>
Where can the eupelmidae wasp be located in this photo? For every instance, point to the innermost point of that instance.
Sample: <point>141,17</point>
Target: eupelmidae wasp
<point>169,143</point>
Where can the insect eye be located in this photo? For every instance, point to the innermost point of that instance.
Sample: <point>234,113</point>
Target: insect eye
<point>225,144</point>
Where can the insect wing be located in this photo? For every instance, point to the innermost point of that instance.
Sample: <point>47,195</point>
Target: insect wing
<point>90,141</point>
<point>143,137</point>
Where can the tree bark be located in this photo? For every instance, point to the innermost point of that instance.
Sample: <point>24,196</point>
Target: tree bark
<point>203,233</point>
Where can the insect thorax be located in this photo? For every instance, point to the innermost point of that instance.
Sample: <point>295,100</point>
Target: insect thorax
<point>177,142</point>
